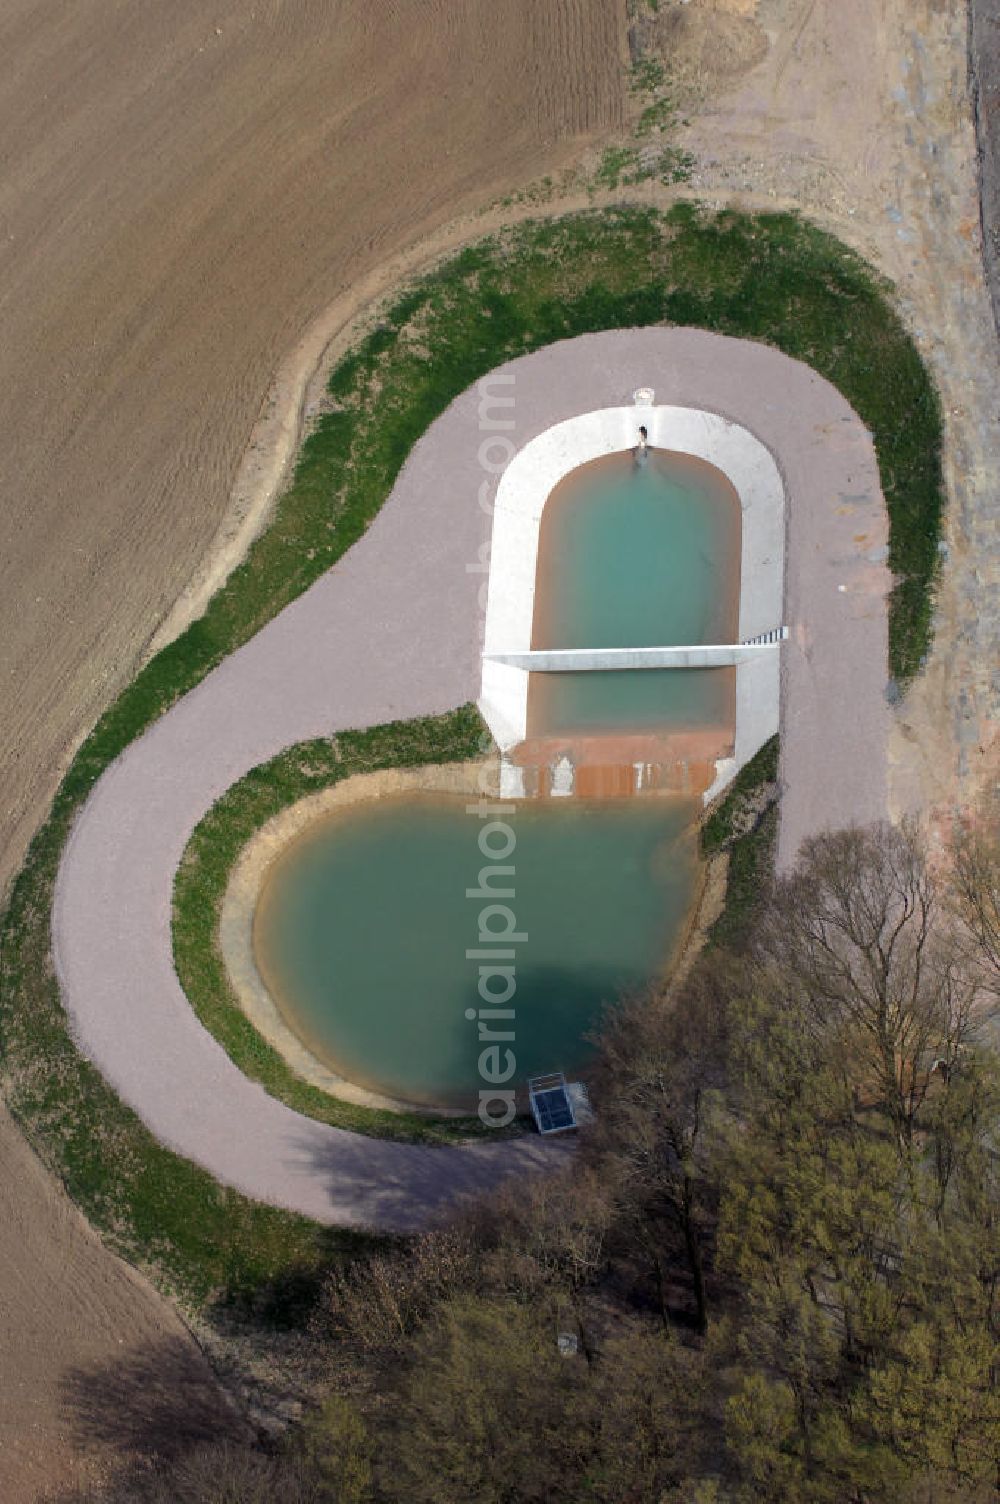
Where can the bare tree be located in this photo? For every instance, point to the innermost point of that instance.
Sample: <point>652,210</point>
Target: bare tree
<point>549,1232</point>
<point>864,934</point>
<point>378,1302</point>
<point>662,1058</point>
<point>976,875</point>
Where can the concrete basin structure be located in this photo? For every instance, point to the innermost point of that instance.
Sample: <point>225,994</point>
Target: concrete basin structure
<point>524,489</point>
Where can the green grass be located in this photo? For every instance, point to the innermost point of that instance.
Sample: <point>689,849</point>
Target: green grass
<point>204,874</point>
<point>772,278</point>
<point>648,74</point>
<point>751,851</point>
<point>195,1237</point>
<point>623,166</point>
<point>718,830</point>
<point>656,117</point>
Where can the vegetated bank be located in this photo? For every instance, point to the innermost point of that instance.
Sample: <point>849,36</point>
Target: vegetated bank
<point>743,825</point>
<point>216,843</point>
<point>773,278</point>
<point>203,877</point>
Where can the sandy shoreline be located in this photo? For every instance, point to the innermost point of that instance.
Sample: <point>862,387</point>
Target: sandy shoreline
<point>246,896</point>
<point>247,891</point>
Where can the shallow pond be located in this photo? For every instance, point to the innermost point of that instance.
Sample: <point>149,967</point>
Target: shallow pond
<point>363,931</point>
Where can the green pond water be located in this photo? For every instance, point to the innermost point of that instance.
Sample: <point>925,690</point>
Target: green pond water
<point>636,556</point>
<point>362,933</point>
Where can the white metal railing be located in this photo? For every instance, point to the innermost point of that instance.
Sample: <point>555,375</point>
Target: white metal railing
<point>596,660</point>
<point>776,634</point>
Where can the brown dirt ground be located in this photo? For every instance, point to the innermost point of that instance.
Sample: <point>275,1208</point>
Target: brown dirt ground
<point>182,192</point>
<point>861,116</point>
<point>74,1322</point>
<point>707,43</point>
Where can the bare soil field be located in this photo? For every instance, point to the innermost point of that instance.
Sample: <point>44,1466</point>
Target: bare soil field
<point>182,191</point>
<point>75,1322</point>
<point>180,197</point>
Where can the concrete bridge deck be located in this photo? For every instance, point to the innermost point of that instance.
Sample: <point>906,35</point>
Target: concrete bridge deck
<point>600,660</point>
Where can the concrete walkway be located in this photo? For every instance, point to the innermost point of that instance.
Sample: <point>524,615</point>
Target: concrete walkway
<point>598,660</point>
<point>393,631</point>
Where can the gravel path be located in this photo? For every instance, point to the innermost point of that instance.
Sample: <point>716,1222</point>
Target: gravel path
<point>392,631</point>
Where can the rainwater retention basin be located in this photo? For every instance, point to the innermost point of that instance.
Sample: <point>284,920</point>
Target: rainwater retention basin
<point>636,555</point>
<point>363,927</point>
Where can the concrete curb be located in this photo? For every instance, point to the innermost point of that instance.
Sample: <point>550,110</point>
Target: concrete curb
<point>527,483</point>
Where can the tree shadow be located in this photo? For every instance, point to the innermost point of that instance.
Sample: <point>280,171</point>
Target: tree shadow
<point>158,1400</point>
<point>396,1187</point>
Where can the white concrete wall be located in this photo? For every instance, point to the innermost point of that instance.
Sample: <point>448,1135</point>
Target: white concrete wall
<point>526,485</point>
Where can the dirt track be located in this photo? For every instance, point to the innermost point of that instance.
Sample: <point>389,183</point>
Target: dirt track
<point>984,49</point>
<point>861,116</point>
<point>181,192</point>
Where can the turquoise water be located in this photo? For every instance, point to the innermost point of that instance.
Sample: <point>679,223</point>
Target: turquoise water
<point>636,556</point>
<point>362,932</point>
